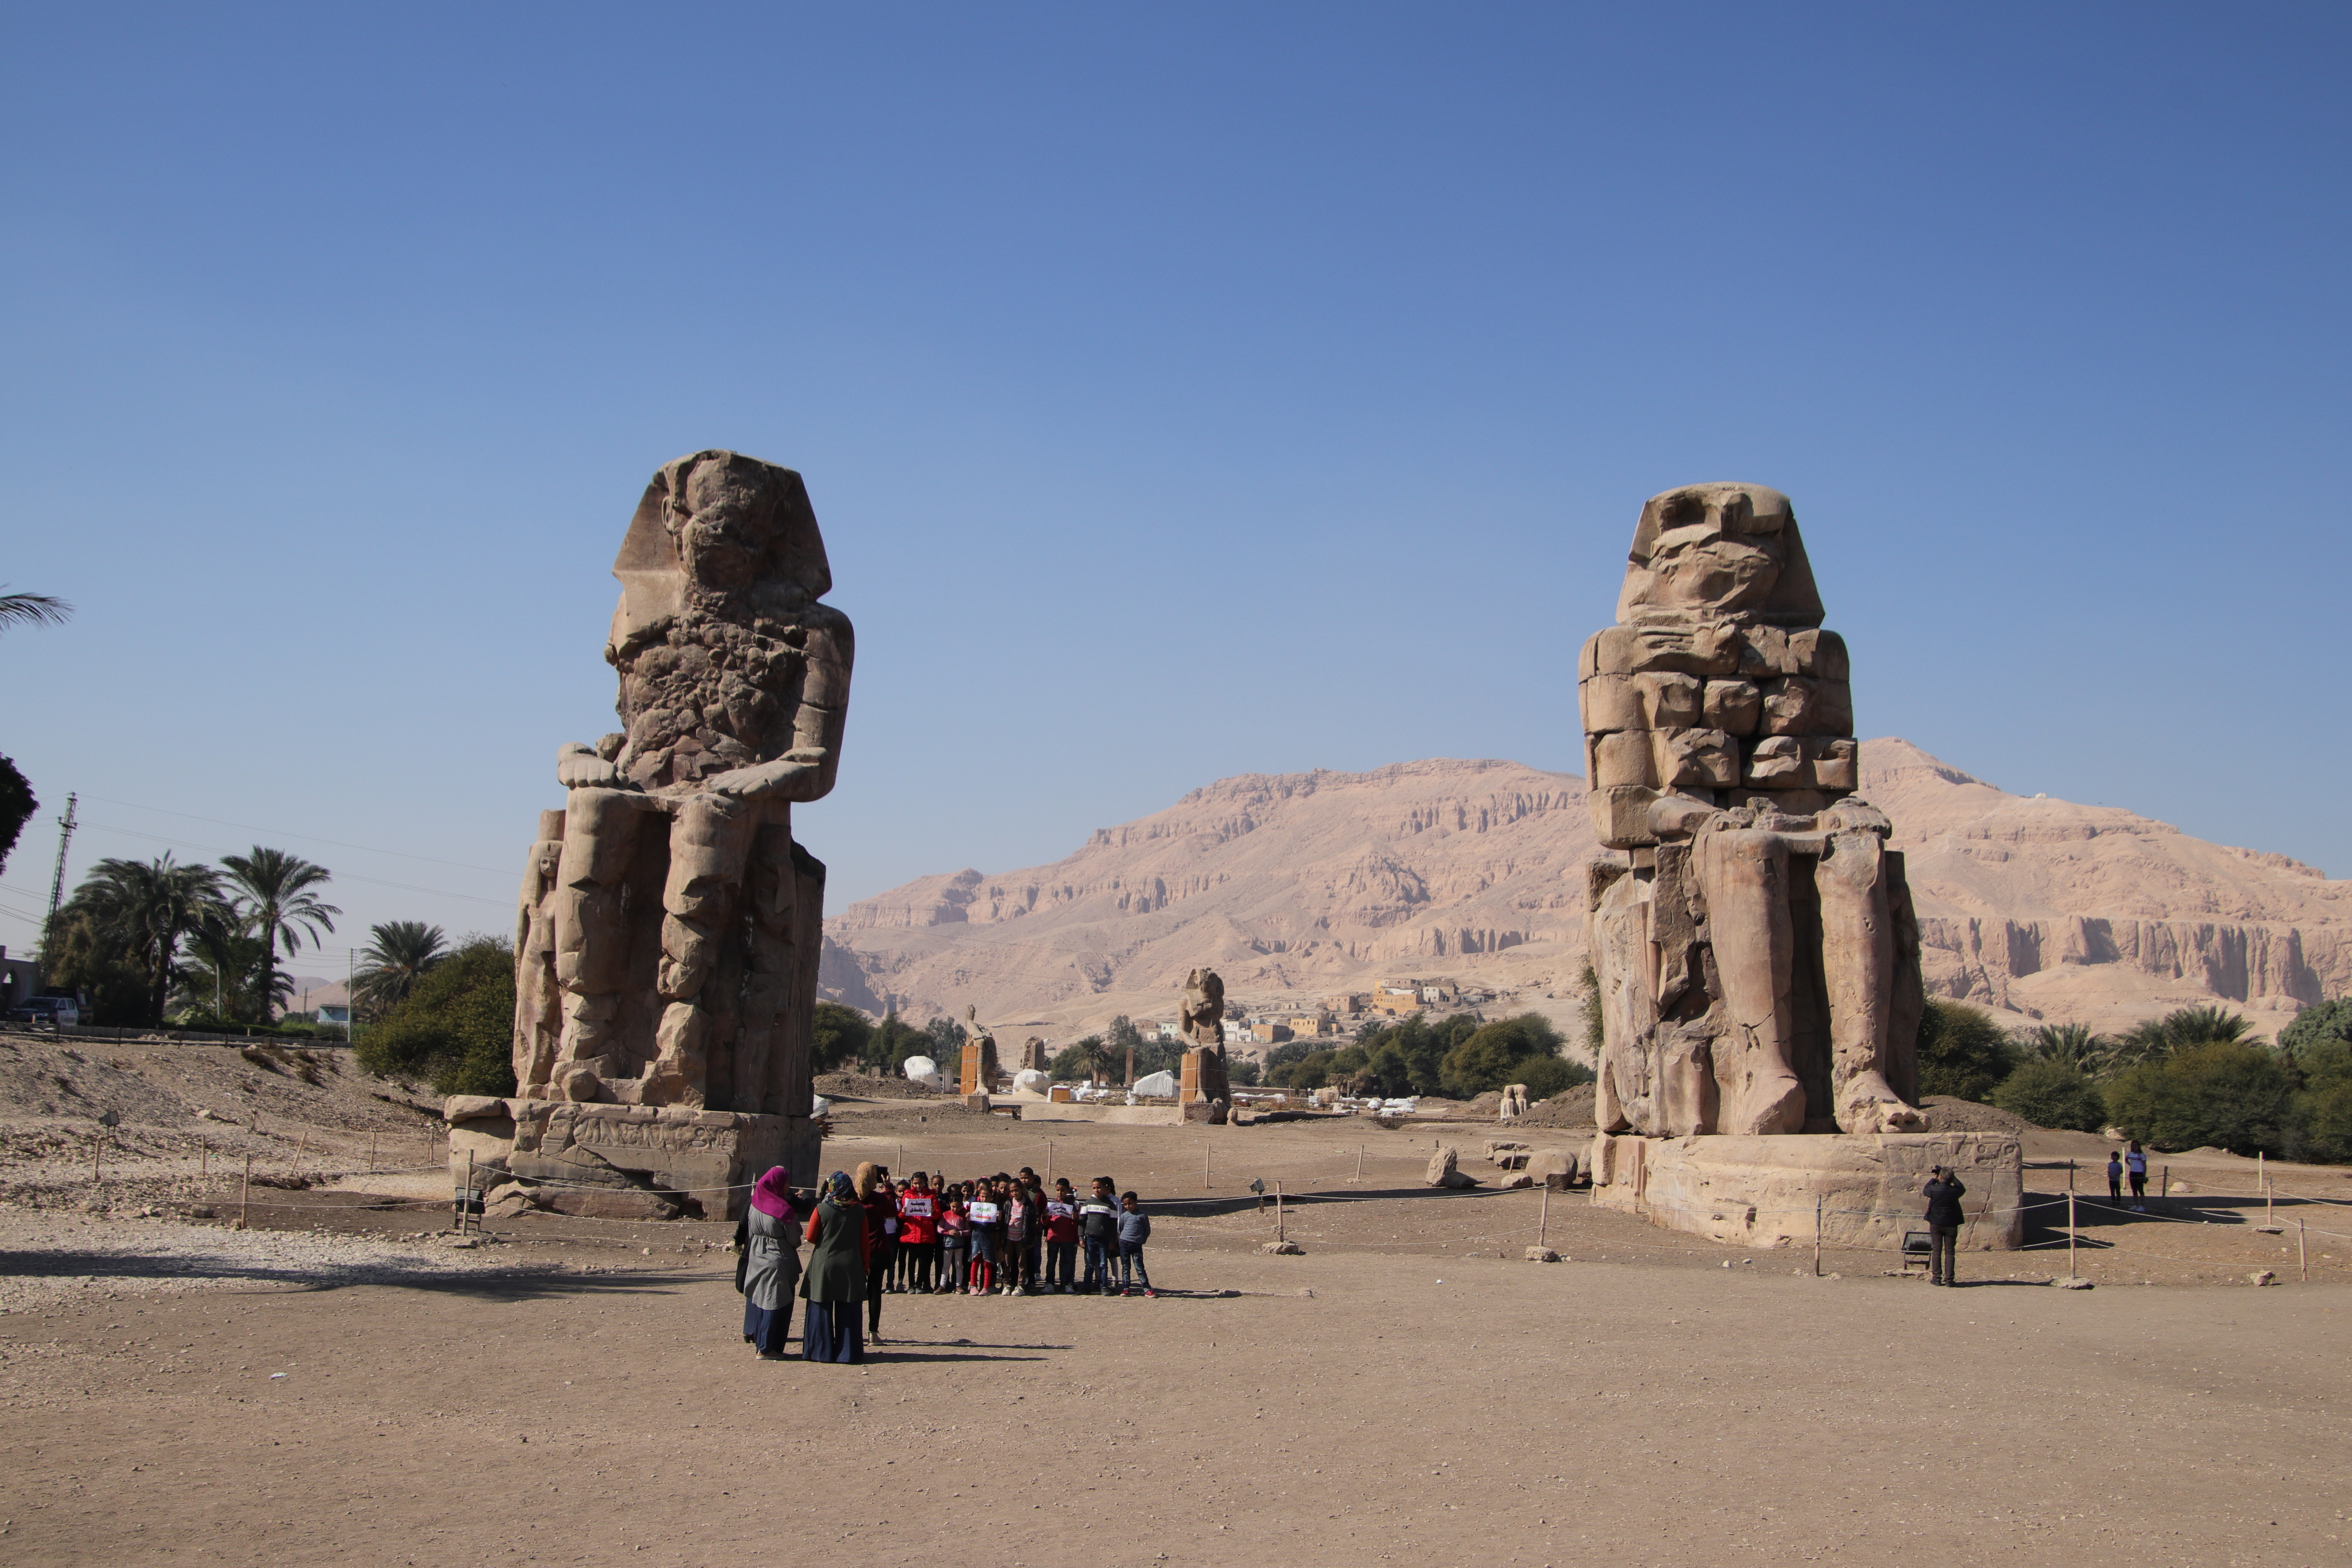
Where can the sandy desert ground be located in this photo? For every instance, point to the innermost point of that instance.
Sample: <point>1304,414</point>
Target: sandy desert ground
<point>342,1385</point>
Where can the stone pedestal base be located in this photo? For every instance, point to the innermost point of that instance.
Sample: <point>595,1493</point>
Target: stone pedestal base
<point>623,1162</point>
<point>1762,1191</point>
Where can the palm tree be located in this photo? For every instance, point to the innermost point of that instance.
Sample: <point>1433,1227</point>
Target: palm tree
<point>396,957</point>
<point>1094,1056</point>
<point>144,909</point>
<point>2153,1039</point>
<point>273,892</point>
<point>2072,1044</point>
<point>31,609</point>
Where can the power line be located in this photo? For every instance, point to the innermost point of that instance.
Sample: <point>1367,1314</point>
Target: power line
<point>282,833</point>
<point>346,875</point>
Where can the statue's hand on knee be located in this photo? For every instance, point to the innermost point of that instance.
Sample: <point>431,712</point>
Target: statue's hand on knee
<point>579,767</point>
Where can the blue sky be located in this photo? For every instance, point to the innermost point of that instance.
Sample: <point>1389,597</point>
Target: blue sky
<point>1183,391</point>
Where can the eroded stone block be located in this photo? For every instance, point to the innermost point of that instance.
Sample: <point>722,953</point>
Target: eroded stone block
<point>1734,707</point>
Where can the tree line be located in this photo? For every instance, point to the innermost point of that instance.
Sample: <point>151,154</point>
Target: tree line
<point>2195,1078</point>
<point>155,943</point>
<point>1461,1058</point>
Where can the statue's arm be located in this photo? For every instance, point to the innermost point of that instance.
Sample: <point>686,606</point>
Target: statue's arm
<point>806,772</point>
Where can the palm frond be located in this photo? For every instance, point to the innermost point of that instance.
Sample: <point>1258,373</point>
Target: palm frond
<point>32,609</point>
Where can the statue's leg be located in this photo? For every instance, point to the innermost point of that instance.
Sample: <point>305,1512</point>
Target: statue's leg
<point>590,934</point>
<point>1858,964</point>
<point>709,839</point>
<point>1745,873</point>
<point>768,978</point>
<point>1619,936</point>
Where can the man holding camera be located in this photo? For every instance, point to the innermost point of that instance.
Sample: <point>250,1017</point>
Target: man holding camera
<point>1944,1191</point>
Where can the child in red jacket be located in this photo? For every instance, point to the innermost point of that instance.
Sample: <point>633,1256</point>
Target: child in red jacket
<point>918,1232</point>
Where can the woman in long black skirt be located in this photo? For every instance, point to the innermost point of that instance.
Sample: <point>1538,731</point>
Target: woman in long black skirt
<point>835,1285</point>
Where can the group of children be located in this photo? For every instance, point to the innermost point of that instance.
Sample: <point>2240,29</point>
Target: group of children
<point>1009,1234</point>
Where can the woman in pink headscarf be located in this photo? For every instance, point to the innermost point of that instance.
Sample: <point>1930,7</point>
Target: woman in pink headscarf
<point>767,1265</point>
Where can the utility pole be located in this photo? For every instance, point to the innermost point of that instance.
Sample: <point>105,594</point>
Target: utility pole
<point>57,884</point>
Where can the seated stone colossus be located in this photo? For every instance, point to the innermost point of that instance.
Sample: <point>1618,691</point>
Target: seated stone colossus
<point>1754,939</point>
<point>667,941</point>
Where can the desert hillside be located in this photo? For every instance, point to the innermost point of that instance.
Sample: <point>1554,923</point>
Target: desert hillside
<point>1298,884</point>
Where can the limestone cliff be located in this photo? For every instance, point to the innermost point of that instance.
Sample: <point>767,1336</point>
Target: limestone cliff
<point>1297,885</point>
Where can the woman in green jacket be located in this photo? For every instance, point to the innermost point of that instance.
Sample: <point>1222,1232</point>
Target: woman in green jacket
<point>834,1285</point>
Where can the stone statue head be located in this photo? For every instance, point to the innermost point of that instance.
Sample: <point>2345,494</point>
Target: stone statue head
<point>1719,552</point>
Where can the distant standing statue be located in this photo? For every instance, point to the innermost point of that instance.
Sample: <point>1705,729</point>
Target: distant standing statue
<point>670,930</point>
<point>1204,1091</point>
<point>1756,950</point>
<point>1201,1016</point>
<point>978,1067</point>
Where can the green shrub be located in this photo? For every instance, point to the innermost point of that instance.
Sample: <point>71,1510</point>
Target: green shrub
<point>1548,1076</point>
<point>1312,1070</point>
<point>1962,1052</point>
<point>1511,1050</point>
<point>2319,1045</point>
<point>839,1037</point>
<point>455,1026</point>
<point>2053,1093</point>
<point>2224,1093</point>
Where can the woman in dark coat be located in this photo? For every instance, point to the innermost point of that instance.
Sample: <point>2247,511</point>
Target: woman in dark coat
<point>834,1284</point>
<point>771,1265</point>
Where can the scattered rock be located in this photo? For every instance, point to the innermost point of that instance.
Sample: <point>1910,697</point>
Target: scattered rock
<point>1445,1169</point>
<point>1555,1168</point>
<point>2263,1276</point>
<point>1542,1255</point>
<point>1516,1180</point>
<point>1286,1249</point>
<point>2071,1282</point>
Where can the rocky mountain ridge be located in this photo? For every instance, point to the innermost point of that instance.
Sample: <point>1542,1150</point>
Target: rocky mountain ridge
<point>1297,885</point>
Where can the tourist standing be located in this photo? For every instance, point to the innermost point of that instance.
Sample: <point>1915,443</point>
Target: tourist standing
<point>955,1247</point>
<point>1944,1192</point>
<point>2136,1162</point>
<point>1134,1230</point>
<point>835,1281</point>
<point>2116,1178</point>
<point>986,1223</point>
<point>1098,1230</point>
<point>881,1205</point>
<point>918,1232</point>
<point>1017,1233</point>
<point>1062,1238</point>
<point>1032,1255</point>
<point>769,1265</point>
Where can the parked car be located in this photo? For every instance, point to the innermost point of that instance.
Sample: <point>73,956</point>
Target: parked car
<point>46,1012</point>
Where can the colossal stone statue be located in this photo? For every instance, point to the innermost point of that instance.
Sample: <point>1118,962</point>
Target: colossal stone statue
<point>1758,954</point>
<point>1203,1089</point>
<point>668,931</point>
